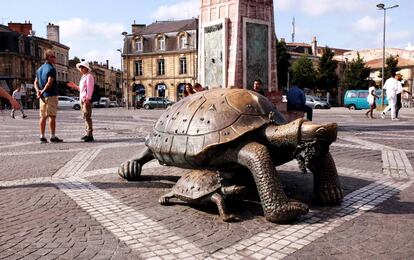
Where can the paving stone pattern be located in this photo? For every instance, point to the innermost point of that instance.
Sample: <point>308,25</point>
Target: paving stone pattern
<point>65,201</point>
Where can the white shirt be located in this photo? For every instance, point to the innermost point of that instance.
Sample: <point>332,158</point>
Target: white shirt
<point>371,98</point>
<point>391,85</point>
<point>17,94</point>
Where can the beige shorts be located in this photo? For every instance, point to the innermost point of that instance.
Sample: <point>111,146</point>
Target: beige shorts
<point>49,107</point>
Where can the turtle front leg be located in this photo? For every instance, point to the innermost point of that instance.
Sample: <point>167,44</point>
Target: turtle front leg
<point>276,206</point>
<point>221,205</point>
<point>327,187</point>
<point>165,199</point>
<point>131,169</point>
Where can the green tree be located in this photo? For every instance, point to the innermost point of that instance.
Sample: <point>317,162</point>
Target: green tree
<point>303,73</point>
<point>356,74</point>
<point>390,68</point>
<point>327,78</point>
<point>74,61</point>
<point>283,64</point>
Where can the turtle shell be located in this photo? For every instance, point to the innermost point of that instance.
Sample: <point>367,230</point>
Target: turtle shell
<point>197,184</point>
<point>207,119</point>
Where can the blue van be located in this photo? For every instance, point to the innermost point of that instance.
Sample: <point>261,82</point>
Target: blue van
<point>357,99</point>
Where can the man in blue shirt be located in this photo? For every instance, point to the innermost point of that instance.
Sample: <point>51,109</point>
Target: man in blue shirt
<point>47,90</point>
<point>297,101</point>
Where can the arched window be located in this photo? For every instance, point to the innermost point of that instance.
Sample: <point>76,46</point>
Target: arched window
<point>161,89</point>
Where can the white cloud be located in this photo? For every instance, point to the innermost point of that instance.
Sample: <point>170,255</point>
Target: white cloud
<point>180,10</point>
<point>80,27</point>
<point>320,7</point>
<point>93,41</point>
<point>368,24</point>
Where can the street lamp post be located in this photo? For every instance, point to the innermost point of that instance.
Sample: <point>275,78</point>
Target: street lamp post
<point>382,7</point>
<point>126,53</point>
<point>122,74</point>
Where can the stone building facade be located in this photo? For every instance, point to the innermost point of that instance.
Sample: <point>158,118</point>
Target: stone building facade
<point>22,53</point>
<point>158,59</point>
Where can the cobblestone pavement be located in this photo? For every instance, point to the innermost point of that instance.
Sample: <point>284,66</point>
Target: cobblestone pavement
<point>65,201</point>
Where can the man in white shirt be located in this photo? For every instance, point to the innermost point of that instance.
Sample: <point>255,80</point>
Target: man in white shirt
<point>392,85</point>
<point>17,95</point>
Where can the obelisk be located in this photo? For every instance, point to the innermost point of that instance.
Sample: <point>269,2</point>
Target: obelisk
<point>237,44</point>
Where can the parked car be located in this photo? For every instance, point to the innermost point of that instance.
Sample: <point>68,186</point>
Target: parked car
<point>103,102</point>
<point>157,102</point>
<point>113,103</point>
<point>357,99</point>
<point>68,102</point>
<point>316,102</point>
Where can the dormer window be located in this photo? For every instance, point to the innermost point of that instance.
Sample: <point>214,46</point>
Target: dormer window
<point>161,43</point>
<point>183,42</point>
<point>139,44</point>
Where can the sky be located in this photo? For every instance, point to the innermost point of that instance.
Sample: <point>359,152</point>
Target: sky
<point>92,29</point>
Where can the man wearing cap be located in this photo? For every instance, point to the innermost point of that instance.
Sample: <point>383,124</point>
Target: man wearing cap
<point>392,85</point>
<point>85,88</point>
<point>47,90</point>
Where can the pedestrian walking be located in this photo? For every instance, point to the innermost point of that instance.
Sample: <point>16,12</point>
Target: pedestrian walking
<point>372,96</point>
<point>13,102</point>
<point>47,91</point>
<point>400,92</point>
<point>17,95</point>
<point>391,86</point>
<point>85,88</point>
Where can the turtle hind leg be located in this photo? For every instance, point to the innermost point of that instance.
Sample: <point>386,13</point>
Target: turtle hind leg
<point>165,199</point>
<point>327,187</point>
<point>221,205</point>
<point>131,169</point>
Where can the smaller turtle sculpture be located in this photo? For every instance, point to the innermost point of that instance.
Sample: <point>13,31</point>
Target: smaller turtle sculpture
<point>201,186</point>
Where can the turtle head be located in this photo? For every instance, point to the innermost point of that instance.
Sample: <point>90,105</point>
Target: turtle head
<point>323,133</point>
<point>299,137</point>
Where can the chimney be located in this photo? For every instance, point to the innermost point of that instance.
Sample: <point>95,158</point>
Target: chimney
<point>314,46</point>
<point>23,28</point>
<point>107,64</point>
<point>53,32</point>
<point>137,28</point>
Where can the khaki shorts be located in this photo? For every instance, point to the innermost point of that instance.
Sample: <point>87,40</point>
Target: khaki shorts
<point>50,107</point>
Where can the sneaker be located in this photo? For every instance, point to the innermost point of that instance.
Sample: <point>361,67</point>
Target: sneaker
<point>84,137</point>
<point>89,139</point>
<point>55,140</point>
<point>382,115</point>
<point>395,119</point>
<point>24,116</point>
<point>43,140</point>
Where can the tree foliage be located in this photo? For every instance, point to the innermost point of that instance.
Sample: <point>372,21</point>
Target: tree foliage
<point>283,64</point>
<point>327,77</point>
<point>356,74</point>
<point>391,67</point>
<point>303,73</point>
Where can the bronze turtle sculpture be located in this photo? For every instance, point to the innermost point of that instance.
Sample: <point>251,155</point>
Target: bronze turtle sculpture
<point>237,129</point>
<point>200,186</point>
